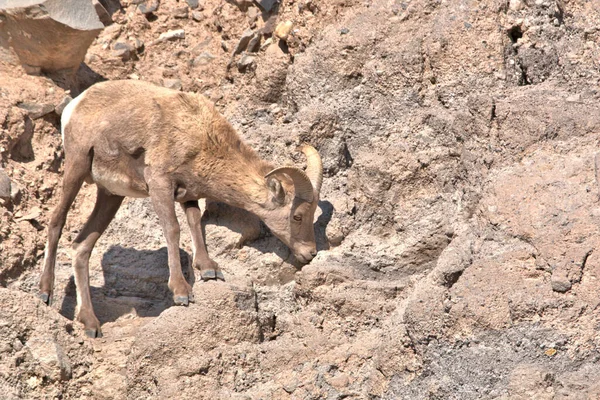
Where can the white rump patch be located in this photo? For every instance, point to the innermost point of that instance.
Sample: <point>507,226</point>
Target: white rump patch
<point>67,113</point>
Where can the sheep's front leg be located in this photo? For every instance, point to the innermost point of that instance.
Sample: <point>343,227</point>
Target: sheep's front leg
<point>209,269</point>
<point>163,200</point>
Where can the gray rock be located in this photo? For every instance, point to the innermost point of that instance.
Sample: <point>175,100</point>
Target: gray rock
<point>560,284</point>
<point>246,63</point>
<point>266,5</point>
<point>180,12</point>
<point>5,185</point>
<point>254,44</point>
<point>270,25</point>
<point>193,4</point>
<point>243,43</point>
<point>125,51</point>
<point>36,110</point>
<point>63,103</point>
<point>49,35</point>
<point>148,7</point>
<point>197,16</point>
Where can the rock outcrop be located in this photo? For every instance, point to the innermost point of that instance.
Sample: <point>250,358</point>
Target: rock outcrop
<point>457,228</point>
<point>48,35</point>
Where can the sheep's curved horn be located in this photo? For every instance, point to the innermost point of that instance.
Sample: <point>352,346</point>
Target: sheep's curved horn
<point>314,167</point>
<point>302,184</point>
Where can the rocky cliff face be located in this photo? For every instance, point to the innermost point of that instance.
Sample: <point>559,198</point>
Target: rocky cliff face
<point>457,229</point>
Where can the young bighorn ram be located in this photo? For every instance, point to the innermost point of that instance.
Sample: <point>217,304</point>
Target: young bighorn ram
<point>135,139</point>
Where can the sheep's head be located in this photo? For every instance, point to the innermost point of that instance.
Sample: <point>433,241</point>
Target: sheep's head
<point>294,199</point>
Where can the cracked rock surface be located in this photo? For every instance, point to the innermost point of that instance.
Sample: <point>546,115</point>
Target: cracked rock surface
<point>457,227</point>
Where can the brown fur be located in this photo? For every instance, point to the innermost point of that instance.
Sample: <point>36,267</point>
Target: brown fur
<point>136,139</point>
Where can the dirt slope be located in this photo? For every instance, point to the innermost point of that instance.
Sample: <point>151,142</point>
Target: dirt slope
<point>457,229</point>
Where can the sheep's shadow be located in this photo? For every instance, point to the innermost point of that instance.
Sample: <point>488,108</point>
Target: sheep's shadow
<point>76,82</point>
<point>135,282</point>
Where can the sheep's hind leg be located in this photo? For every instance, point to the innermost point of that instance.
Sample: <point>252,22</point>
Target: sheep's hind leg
<point>76,169</point>
<point>209,269</point>
<point>104,211</point>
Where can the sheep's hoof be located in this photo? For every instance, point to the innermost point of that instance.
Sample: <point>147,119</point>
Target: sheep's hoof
<point>93,333</point>
<point>45,297</point>
<point>181,300</point>
<point>208,274</point>
<point>220,276</point>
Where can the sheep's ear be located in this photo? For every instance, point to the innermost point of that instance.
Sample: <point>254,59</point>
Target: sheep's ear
<point>276,189</point>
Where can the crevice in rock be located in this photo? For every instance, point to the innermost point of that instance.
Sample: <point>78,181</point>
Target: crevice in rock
<point>347,158</point>
<point>151,17</point>
<point>559,13</point>
<point>261,336</point>
<point>597,170</point>
<point>451,278</point>
<point>514,33</point>
<point>267,323</point>
<point>523,79</point>
<point>585,258</point>
<point>284,47</point>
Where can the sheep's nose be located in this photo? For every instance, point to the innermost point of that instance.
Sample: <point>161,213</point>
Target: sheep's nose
<point>313,252</point>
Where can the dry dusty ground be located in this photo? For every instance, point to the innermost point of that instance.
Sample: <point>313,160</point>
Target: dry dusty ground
<point>457,228</point>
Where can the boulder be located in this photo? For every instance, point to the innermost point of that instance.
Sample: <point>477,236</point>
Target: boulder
<point>48,35</point>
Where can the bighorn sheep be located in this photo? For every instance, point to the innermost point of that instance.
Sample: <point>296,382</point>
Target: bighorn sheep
<point>135,139</point>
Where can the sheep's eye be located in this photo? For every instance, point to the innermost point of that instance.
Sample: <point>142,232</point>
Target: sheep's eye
<point>298,218</point>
